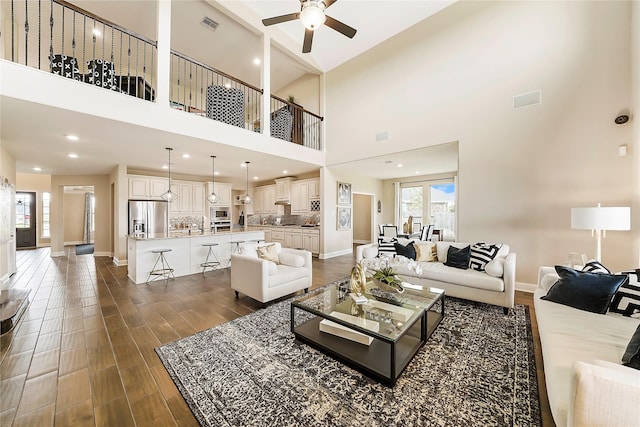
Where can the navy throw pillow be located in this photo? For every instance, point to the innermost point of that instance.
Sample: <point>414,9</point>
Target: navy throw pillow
<point>631,356</point>
<point>458,258</point>
<point>584,291</point>
<point>408,251</point>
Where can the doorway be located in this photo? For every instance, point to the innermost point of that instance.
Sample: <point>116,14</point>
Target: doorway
<point>25,219</point>
<point>78,214</point>
<point>363,218</point>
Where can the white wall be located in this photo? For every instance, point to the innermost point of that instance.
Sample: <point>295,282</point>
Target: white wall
<point>452,78</point>
<point>305,90</point>
<point>635,141</point>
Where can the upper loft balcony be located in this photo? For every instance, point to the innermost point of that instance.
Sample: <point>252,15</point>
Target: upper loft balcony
<point>90,48</point>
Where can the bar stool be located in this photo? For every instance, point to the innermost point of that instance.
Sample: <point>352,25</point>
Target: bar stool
<point>210,264</point>
<point>235,248</point>
<point>165,271</point>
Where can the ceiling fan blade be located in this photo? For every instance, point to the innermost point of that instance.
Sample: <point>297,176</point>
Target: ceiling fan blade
<point>340,27</point>
<point>279,19</point>
<point>329,3</point>
<point>308,38</point>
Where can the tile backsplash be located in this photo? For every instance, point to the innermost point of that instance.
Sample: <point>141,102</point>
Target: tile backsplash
<point>180,222</point>
<point>284,219</point>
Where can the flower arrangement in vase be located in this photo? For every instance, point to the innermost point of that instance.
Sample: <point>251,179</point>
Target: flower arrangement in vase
<point>387,280</point>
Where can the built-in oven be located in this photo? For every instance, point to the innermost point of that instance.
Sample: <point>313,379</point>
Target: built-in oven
<point>220,219</point>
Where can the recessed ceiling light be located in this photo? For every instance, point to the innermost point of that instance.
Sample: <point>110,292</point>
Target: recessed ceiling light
<point>256,61</point>
<point>242,165</point>
<point>165,167</point>
<point>216,173</point>
<point>96,32</point>
<point>255,177</point>
<point>37,169</point>
<point>284,171</point>
<point>399,165</point>
<point>227,85</point>
<point>73,155</point>
<point>72,137</point>
<point>417,172</point>
<point>186,155</point>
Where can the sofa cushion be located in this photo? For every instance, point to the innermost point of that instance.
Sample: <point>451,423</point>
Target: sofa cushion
<point>631,355</point>
<point>268,252</point>
<point>481,254</point>
<point>495,267</point>
<point>405,250</point>
<point>627,300</point>
<point>425,251</point>
<point>273,267</point>
<point>440,272</point>
<point>370,252</point>
<point>286,274</point>
<point>458,258</point>
<point>584,291</point>
<point>292,260</point>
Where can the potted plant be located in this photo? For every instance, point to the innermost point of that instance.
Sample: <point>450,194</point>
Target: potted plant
<point>387,279</point>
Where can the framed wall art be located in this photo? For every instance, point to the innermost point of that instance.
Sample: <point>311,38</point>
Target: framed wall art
<point>344,193</point>
<point>343,218</point>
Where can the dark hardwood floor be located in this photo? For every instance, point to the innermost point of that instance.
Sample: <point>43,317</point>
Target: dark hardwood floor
<point>83,354</point>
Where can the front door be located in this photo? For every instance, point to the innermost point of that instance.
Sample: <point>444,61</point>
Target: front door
<point>25,219</point>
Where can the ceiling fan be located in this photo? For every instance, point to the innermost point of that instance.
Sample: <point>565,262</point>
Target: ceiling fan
<point>312,16</point>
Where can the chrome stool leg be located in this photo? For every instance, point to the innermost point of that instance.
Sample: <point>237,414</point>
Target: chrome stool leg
<point>165,271</point>
<point>210,264</point>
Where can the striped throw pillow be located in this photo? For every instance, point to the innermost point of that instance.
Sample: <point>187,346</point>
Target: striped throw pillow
<point>627,300</point>
<point>594,266</point>
<point>481,254</point>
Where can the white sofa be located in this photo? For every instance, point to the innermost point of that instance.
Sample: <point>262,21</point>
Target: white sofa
<point>467,284</point>
<point>265,281</point>
<point>582,351</point>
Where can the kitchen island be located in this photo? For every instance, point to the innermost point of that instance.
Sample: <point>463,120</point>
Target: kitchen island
<point>187,252</point>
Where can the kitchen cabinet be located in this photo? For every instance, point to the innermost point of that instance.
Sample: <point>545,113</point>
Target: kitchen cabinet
<point>311,240</point>
<point>277,235</point>
<point>198,199</point>
<point>223,190</point>
<point>314,189</point>
<point>258,200</point>
<point>293,238</point>
<point>183,203</point>
<point>145,187</point>
<point>267,235</point>
<point>299,197</point>
<point>283,189</point>
<point>269,200</point>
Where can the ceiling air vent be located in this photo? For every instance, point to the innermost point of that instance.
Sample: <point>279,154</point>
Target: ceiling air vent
<point>209,23</point>
<point>526,99</point>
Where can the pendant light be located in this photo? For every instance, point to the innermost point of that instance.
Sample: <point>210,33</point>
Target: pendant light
<point>169,195</point>
<point>213,197</point>
<point>247,198</point>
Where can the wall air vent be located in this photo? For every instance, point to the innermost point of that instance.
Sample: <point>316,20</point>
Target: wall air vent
<point>209,23</point>
<point>527,99</point>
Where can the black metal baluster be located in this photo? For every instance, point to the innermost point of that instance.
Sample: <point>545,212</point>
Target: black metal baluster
<point>93,41</point>
<point>129,57</point>
<point>84,48</point>
<point>137,51</point>
<point>151,76</point>
<point>26,33</point>
<point>51,38</point>
<point>39,34</point>
<point>13,20</point>
<point>120,60</point>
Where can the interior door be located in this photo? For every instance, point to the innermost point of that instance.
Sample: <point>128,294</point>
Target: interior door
<point>25,219</point>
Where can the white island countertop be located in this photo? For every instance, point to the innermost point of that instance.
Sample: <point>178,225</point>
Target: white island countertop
<point>187,251</point>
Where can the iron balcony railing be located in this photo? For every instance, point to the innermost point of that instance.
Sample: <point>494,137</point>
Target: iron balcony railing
<point>61,38</point>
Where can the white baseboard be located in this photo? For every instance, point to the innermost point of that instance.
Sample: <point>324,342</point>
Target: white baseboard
<point>119,262</point>
<point>109,254</point>
<point>57,254</point>
<point>526,287</point>
<point>335,254</point>
<point>43,245</point>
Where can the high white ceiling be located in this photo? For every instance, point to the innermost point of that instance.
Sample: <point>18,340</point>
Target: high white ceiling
<point>231,48</point>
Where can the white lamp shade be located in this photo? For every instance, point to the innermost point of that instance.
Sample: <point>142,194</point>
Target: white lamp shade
<point>599,218</point>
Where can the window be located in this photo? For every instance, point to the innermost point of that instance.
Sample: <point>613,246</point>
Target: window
<point>23,210</point>
<point>93,213</point>
<point>430,202</point>
<point>46,200</point>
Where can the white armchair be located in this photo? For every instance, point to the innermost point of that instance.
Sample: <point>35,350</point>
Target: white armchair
<point>264,280</point>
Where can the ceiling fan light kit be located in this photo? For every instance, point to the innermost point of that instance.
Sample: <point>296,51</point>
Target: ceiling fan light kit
<point>312,17</point>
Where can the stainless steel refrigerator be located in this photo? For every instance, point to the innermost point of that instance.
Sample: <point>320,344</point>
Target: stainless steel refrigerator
<point>149,218</point>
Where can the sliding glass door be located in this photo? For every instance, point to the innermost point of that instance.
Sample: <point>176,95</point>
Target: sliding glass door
<point>430,202</point>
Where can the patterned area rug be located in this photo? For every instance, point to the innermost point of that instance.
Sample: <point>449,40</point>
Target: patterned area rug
<point>477,369</point>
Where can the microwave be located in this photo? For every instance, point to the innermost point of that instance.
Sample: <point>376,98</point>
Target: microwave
<point>219,213</point>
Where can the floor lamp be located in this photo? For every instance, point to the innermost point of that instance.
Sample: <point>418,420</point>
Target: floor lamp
<point>600,220</point>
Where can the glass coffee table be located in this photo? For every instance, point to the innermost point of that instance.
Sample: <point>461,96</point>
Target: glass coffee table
<point>378,337</point>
